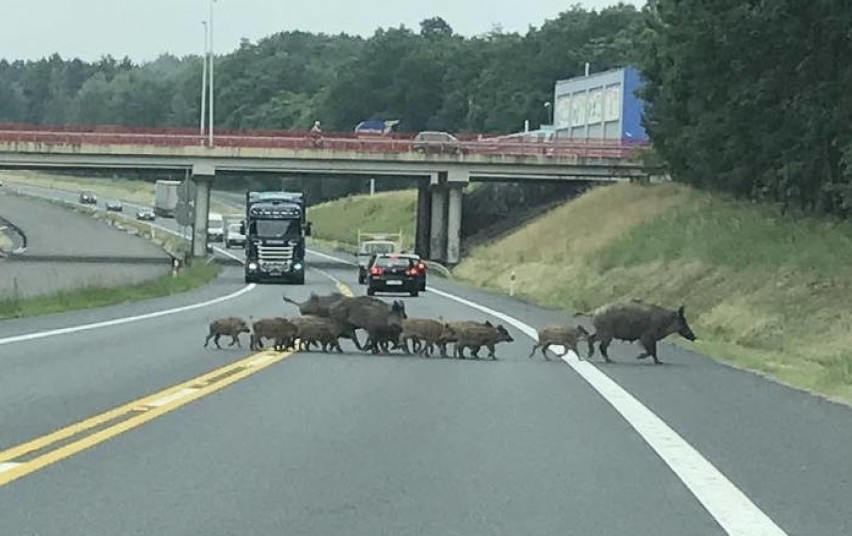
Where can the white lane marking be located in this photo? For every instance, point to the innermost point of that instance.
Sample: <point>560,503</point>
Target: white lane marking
<point>171,398</point>
<point>8,466</point>
<point>125,320</point>
<point>729,506</point>
<point>337,259</point>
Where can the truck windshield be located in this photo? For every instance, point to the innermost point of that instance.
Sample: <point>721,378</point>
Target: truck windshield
<point>275,228</point>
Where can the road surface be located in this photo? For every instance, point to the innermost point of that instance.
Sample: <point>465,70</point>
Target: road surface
<point>360,444</point>
<point>59,241</point>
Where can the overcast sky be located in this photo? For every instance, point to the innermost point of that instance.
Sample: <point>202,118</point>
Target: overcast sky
<point>143,29</point>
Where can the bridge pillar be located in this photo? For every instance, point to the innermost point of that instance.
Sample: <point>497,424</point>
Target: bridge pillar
<point>438,225</point>
<point>424,214</point>
<point>454,215</point>
<point>203,176</point>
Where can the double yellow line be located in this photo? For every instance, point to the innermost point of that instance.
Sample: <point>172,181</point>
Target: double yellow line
<point>31,456</point>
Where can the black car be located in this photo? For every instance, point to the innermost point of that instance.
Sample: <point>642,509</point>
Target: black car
<point>420,266</point>
<point>88,198</point>
<point>393,273</point>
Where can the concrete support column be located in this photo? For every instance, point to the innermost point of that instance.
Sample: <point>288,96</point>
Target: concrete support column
<point>424,215</point>
<point>438,227</point>
<point>203,177</point>
<point>454,215</point>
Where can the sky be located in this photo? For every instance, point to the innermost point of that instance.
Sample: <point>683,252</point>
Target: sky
<point>144,29</point>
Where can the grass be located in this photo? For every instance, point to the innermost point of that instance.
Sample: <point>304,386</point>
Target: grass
<point>385,212</point>
<point>90,297</point>
<point>763,292</point>
<point>130,191</point>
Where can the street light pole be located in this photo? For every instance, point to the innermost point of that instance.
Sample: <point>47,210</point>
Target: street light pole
<point>212,56</point>
<point>204,83</point>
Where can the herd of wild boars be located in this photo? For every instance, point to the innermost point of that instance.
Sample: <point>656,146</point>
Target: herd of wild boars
<point>324,320</point>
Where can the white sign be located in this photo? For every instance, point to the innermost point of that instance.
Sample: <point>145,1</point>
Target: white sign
<point>563,111</point>
<point>578,110</point>
<point>612,104</point>
<point>595,113</point>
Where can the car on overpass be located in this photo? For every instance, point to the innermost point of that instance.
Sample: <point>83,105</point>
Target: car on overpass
<point>88,198</point>
<point>114,206</point>
<point>393,273</point>
<point>435,142</point>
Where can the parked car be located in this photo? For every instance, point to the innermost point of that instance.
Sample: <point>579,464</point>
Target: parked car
<point>437,142</point>
<point>146,215</point>
<point>88,198</point>
<point>393,273</point>
<point>114,206</point>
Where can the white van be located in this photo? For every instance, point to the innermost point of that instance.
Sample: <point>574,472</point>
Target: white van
<point>215,227</point>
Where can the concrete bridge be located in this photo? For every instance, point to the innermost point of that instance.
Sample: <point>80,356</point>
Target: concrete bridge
<point>441,171</point>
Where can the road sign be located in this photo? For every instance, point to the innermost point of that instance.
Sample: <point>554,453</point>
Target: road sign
<point>184,213</point>
<point>186,191</point>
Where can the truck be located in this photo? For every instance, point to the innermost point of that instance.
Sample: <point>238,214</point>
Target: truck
<point>233,231</point>
<point>370,244</point>
<point>165,198</point>
<point>275,228</point>
<point>215,227</point>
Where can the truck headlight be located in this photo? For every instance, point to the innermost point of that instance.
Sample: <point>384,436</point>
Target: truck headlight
<point>297,266</point>
<point>252,266</point>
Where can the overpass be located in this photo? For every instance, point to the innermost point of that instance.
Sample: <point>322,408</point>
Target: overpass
<point>441,171</point>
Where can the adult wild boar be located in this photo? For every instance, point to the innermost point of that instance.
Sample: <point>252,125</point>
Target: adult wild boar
<point>229,327</point>
<point>637,321</point>
<point>368,313</point>
<point>280,330</point>
<point>315,305</point>
<point>567,336</point>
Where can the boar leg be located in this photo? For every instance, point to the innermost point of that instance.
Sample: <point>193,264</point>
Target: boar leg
<point>491,353</point>
<point>544,351</point>
<point>604,344</point>
<point>650,346</point>
<point>209,336</point>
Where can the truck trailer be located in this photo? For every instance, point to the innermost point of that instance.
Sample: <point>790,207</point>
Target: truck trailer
<point>165,198</point>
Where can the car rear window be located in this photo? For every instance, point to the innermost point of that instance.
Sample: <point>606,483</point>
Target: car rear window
<point>393,262</point>
<point>378,248</point>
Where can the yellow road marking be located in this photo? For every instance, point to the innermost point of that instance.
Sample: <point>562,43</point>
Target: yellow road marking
<point>141,411</point>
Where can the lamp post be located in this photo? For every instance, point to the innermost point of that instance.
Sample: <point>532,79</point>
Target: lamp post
<point>548,106</point>
<point>204,82</point>
<point>210,23</point>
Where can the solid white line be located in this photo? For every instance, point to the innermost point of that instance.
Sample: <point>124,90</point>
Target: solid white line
<point>171,398</point>
<point>8,466</point>
<point>125,320</point>
<point>731,508</point>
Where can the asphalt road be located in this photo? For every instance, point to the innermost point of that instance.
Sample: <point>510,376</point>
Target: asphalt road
<point>64,236</point>
<point>358,444</point>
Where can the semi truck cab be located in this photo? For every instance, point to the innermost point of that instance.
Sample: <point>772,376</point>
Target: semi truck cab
<point>275,228</point>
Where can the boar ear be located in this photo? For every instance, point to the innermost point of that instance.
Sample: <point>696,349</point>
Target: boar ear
<point>680,311</point>
<point>488,323</point>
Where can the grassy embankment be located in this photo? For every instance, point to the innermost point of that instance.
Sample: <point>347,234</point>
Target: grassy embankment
<point>100,296</point>
<point>763,292</point>
<point>336,224</point>
<point>129,191</point>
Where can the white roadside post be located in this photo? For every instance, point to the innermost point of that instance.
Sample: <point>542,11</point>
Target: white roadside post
<point>512,283</point>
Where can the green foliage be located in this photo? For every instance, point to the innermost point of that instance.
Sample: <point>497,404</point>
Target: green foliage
<point>752,98</point>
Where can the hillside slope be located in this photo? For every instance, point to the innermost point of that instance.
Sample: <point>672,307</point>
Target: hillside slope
<point>385,212</point>
<point>764,292</point>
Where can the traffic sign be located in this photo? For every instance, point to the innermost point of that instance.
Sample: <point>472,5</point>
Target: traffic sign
<point>184,213</point>
<point>186,191</point>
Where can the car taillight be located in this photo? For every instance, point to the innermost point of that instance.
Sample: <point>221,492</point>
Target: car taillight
<point>421,266</point>
<point>411,271</point>
<point>375,270</point>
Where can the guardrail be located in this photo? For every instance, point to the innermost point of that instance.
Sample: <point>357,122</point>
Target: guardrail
<point>332,142</point>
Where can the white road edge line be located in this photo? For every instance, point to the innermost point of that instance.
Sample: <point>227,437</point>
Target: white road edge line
<point>729,506</point>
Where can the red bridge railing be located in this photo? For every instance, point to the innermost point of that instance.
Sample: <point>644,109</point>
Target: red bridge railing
<point>106,135</point>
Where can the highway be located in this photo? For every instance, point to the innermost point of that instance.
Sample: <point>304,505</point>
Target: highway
<point>360,444</point>
<point>71,239</point>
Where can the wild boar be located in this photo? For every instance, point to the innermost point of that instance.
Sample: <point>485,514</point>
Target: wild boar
<point>424,334</point>
<point>367,313</point>
<point>637,321</point>
<point>450,334</point>
<point>279,329</point>
<point>382,337</point>
<point>477,336</point>
<point>325,332</point>
<point>315,305</point>
<point>560,335</point>
<point>229,327</point>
